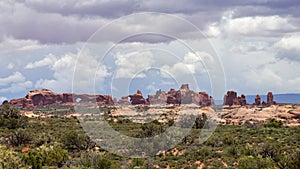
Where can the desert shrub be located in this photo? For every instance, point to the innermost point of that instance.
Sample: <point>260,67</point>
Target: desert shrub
<point>74,141</point>
<point>7,111</point>
<point>42,139</point>
<point>290,160</point>
<point>9,158</point>
<point>150,130</point>
<point>250,162</point>
<point>249,150</point>
<point>34,160</point>
<point>232,151</point>
<point>200,121</point>
<point>269,150</point>
<point>10,117</point>
<point>89,159</point>
<point>204,152</point>
<point>228,140</point>
<point>19,137</point>
<point>274,123</point>
<point>104,164</point>
<point>46,155</point>
<point>136,163</point>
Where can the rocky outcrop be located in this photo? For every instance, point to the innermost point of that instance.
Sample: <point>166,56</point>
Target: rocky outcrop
<point>204,99</point>
<point>231,98</point>
<point>185,96</point>
<point>138,98</point>
<point>5,102</point>
<point>257,100</point>
<point>160,97</point>
<point>47,97</point>
<point>123,101</point>
<point>171,97</point>
<point>270,100</point>
<point>242,100</point>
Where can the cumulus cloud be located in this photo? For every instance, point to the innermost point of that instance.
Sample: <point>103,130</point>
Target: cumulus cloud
<point>291,42</point>
<point>81,73</point>
<point>2,99</point>
<point>47,61</point>
<point>10,66</point>
<point>192,63</point>
<point>14,78</point>
<point>10,44</point>
<point>260,25</point>
<point>14,83</point>
<point>17,87</point>
<point>131,65</point>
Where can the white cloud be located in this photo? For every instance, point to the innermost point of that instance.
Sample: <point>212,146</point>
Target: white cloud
<point>17,87</point>
<point>88,71</point>
<point>212,30</point>
<point>259,25</point>
<point>14,78</point>
<point>130,65</point>
<point>10,66</point>
<point>291,42</point>
<point>193,63</point>
<point>47,61</point>
<point>13,45</point>
<point>14,83</point>
<point>2,99</point>
<point>63,72</point>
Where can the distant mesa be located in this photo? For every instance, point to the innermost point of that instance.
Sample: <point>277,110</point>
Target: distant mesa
<point>231,98</point>
<point>182,96</point>
<point>177,97</point>
<point>47,97</point>
<point>257,100</point>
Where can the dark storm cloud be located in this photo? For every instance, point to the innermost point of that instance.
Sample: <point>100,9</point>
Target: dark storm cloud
<point>70,21</point>
<point>112,9</point>
<point>108,9</point>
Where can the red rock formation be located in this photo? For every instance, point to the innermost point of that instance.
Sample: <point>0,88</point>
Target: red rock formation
<point>5,102</point>
<point>160,97</point>
<point>183,96</point>
<point>257,100</point>
<point>185,87</point>
<point>231,99</point>
<point>242,100</point>
<point>270,100</point>
<point>104,100</point>
<point>204,99</point>
<point>46,97</point>
<point>171,97</point>
<point>138,98</point>
<point>123,101</point>
<point>67,98</point>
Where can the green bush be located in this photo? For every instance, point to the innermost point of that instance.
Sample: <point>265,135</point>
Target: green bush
<point>103,164</point>
<point>9,159</point>
<point>200,121</point>
<point>10,117</point>
<point>290,160</point>
<point>47,156</point>
<point>250,162</point>
<point>19,137</point>
<point>274,123</point>
<point>74,141</point>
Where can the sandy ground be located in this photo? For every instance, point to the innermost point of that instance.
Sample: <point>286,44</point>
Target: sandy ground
<point>289,114</point>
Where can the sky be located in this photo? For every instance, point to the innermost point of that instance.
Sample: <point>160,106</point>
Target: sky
<point>118,46</point>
